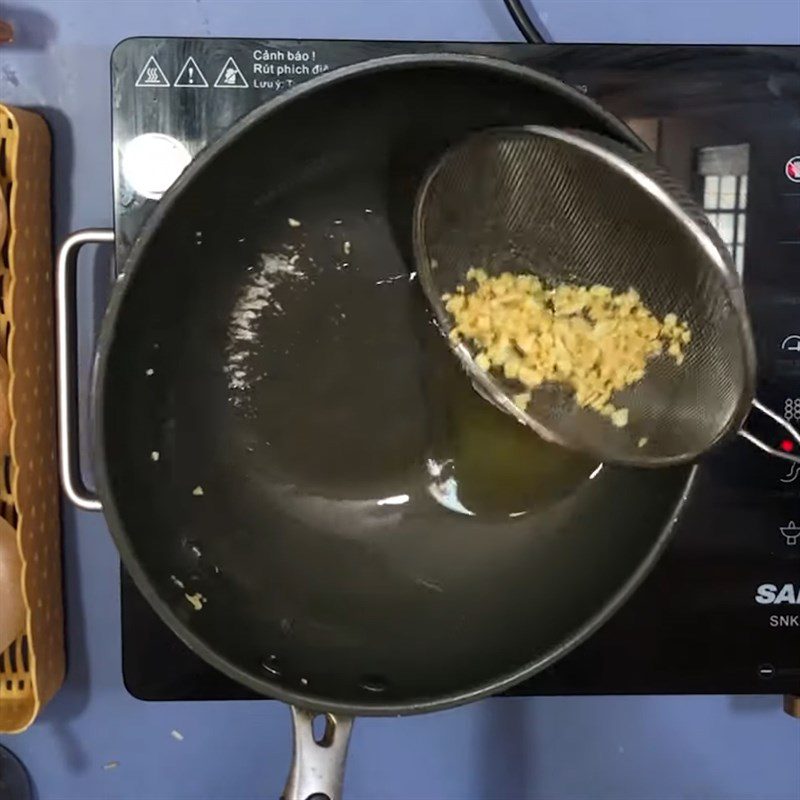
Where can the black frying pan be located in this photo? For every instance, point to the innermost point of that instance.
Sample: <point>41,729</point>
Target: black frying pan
<point>334,518</point>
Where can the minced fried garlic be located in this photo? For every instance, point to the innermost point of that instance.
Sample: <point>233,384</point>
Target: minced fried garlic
<point>586,337</point>
<point>196,600</point>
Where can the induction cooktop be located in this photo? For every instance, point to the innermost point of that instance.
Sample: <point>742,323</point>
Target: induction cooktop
<point>721,611</point>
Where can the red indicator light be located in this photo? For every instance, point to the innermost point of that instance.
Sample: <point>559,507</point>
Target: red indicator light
<point>787,445</point>
<point>792,169</point>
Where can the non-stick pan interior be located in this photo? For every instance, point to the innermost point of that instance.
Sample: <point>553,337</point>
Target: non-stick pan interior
<point>296,472</point>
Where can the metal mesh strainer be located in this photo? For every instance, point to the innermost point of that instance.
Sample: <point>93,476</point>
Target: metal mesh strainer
<point>571,206</point>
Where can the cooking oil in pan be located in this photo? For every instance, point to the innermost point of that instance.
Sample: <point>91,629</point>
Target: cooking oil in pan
<point>480,460</point>
<point>354,398</point>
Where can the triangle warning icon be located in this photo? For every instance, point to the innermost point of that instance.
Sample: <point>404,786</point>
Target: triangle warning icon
<point>191,76</point>
<point>152,74</point>
<point>231,77</point>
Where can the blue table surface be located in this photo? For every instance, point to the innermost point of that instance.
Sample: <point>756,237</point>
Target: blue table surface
<point>95,741</point>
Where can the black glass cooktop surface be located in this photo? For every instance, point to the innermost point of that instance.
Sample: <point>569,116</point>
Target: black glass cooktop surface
<point>721,611</point>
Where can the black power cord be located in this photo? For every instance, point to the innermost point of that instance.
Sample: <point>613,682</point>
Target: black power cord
<point>523,21</point>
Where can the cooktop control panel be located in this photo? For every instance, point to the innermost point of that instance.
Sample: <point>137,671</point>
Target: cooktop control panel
<point>721,611</point>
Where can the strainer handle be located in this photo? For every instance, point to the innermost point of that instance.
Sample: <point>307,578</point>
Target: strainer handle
<point>773,451</point>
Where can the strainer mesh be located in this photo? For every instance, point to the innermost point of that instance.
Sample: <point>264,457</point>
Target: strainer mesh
<point>569,207</point>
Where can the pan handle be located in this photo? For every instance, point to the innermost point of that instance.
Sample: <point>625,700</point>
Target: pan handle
<point>66,335</point>
<point>317,771</point>
<point>773,451</point>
